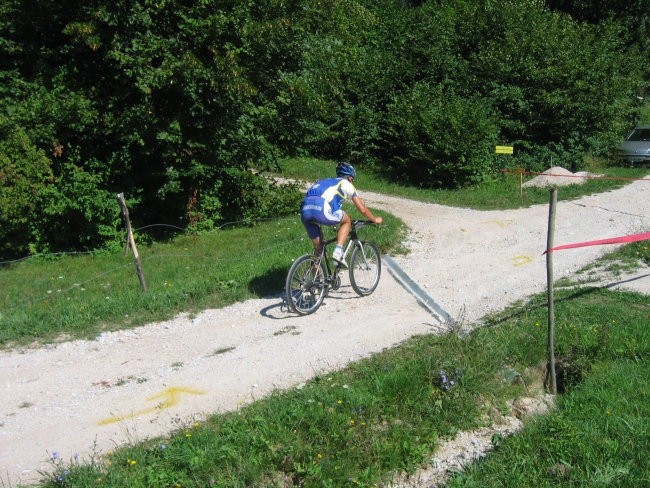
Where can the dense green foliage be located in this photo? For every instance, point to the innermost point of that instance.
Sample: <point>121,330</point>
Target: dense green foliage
<point>634,15</point>
<point>173,102</point>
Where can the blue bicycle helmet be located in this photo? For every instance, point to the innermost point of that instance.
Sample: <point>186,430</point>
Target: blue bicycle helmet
<point>345,169</point>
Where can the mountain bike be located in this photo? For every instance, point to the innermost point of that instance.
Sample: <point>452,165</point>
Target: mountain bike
<point>311,276</point>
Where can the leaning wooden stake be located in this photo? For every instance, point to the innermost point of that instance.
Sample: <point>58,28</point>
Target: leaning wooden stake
<point>551,300</point>
<point>131,240</point>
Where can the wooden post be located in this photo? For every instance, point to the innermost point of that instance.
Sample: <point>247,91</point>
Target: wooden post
<point>551,299</point>
<point>131,240</point>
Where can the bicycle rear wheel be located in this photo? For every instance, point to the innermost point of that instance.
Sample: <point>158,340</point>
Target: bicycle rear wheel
<point>365,268</point>
<point>306,286</point>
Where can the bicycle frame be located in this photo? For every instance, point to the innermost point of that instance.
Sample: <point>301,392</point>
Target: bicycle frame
<point>353,240</point>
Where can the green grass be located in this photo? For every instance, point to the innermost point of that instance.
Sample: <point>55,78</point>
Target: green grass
<point>49,299</point>
<point>386,414</point>
<point>600,432</point>
<point>501,193</point>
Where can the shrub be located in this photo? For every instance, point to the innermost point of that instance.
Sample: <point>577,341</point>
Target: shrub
<point>24,172</point>
<point>436,138</point>
<point>75,213</point>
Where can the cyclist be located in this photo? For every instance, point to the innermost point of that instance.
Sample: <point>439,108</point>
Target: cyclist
<point>322,205</point>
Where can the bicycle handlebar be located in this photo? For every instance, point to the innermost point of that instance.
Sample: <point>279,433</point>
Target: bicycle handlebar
<point>357,224</point>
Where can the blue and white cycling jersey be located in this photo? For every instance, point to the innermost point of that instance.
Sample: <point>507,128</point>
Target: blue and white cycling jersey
<point>333,190</point>
<point>322,203</point>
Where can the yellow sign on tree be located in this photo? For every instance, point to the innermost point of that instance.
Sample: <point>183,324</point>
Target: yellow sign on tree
<point>504,150</point>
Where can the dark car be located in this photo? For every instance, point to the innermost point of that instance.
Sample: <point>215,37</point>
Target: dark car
<point>635,149</point>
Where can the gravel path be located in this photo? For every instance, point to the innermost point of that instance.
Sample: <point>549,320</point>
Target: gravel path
<point>81,397</point>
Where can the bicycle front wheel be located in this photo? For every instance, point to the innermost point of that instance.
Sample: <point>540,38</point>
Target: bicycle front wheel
<point>365,268</point>
<point>306,286</point>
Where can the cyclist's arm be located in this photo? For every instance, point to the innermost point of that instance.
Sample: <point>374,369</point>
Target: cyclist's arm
<point>365,211</point>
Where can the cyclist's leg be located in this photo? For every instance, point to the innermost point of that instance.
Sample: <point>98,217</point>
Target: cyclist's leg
<point>345,225</point>
<point>318,241</point>
<point>315,234</point>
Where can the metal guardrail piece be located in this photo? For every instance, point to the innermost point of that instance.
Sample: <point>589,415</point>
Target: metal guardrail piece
<point>414,289</point>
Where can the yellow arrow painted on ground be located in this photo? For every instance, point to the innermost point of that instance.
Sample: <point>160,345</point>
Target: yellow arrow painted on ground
<point>521,260</point>
<point>170,397</point>
<point>500,223</point>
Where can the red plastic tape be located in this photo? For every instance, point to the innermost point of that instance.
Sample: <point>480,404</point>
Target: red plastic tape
<point>613,240</point>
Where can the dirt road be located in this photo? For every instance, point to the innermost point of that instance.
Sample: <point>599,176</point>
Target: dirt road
<point>83,396</point>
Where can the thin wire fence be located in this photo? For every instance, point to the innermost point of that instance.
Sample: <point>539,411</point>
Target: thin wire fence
<point>53,277</point>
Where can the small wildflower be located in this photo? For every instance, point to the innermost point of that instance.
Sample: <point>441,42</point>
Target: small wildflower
<point>61,478</point>
<point>445,381</point>
<point>319,456</point>
<point>351,421</point>
<point>131,462</point>
<point>340,402</point>
<point>55,455</point>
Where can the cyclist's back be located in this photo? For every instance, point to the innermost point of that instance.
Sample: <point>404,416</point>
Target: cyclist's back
<point>324,199</point>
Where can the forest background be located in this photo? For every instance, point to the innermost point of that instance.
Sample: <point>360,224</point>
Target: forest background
<point>180,104</point>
